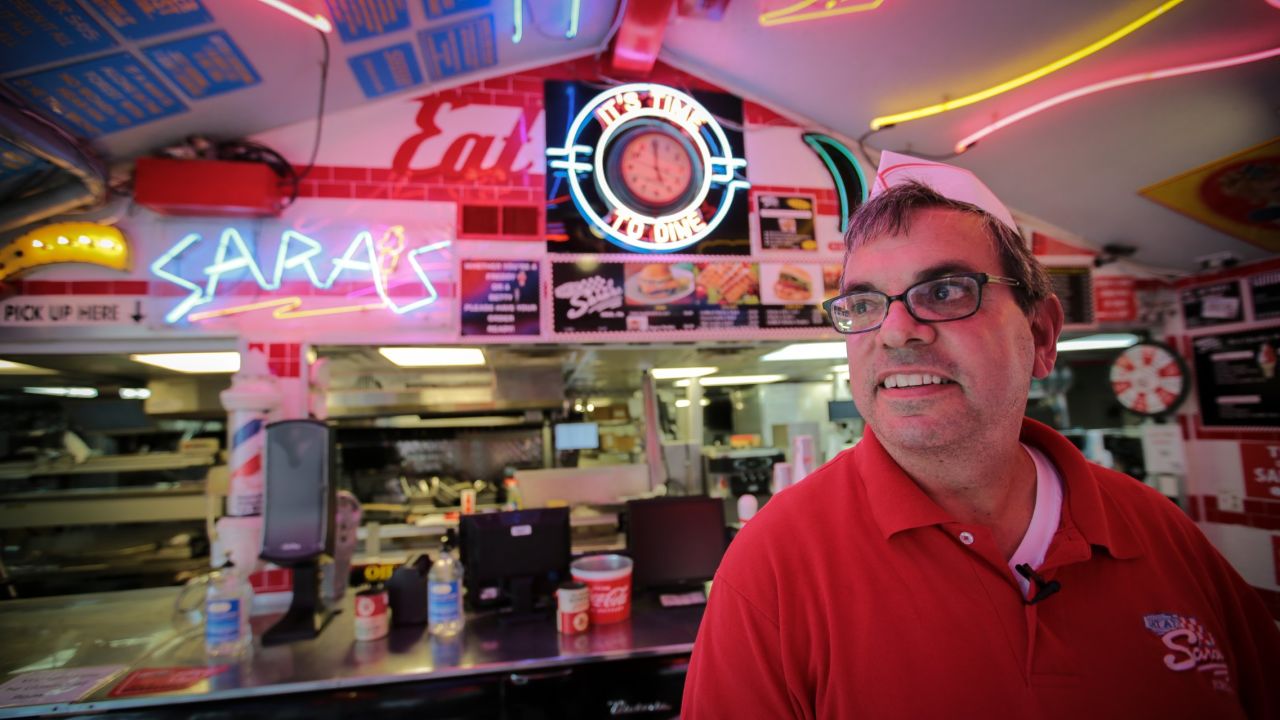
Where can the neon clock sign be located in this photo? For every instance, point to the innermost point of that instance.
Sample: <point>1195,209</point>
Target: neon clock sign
<point>649,167</point>
<point>294,252</point>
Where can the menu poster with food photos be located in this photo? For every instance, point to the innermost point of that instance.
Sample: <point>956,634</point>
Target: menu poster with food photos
<point>1216,304</point>
<point>679,296</point>
<point>787,221</point>
<point>1236,379</point>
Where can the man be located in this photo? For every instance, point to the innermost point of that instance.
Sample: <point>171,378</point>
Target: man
<point>963,561</point>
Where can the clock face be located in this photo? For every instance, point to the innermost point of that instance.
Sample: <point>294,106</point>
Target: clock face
<point>1149,379</point>
<point>653,168</point>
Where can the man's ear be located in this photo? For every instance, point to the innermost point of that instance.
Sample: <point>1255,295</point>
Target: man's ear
<point>1046,326</point>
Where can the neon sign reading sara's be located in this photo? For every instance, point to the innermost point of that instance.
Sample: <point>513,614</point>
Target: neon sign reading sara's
<point>363,257</point>
<point>649,167</point>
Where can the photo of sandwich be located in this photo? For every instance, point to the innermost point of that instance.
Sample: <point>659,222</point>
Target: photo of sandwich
<point>658,283</point>
<point>728,283</point>
<point>794,284</point>
<point>830,281</point>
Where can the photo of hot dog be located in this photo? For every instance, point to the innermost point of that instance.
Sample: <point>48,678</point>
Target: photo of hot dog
<point>728,283</point>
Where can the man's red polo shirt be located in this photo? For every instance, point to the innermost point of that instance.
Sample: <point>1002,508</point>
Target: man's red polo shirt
<point>853,594</point>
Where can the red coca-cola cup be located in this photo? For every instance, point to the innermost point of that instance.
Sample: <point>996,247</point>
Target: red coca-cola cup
<point>608,580</point>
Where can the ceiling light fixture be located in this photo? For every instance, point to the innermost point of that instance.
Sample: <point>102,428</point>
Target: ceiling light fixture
<point>134,393</point>
<point>739,380</point>
<point>886,120</point>
<point>1104,341</point>
<point>412,357</point>
<point>8,367</point>
<point>680,373</point>
<point>319,22</point>
<point>206,362</point>
<point>970,140</point>
<point>73,392</point>
<point>682,403</point>
<point>808,351</point>
<point>799,12</point>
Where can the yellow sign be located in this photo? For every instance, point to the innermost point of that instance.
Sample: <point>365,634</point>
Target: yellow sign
<point>77,242</point>
<point>1239,195</point>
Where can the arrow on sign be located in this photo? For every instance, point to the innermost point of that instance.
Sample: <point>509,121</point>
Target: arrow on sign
<point>137,311</point>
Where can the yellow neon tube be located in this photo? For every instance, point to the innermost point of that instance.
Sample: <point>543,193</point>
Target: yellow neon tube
<point>286,309</point>
<point>796,13</point>
<point>887,120</point>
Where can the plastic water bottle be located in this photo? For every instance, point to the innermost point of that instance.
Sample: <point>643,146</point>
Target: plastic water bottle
<point>227,606</point>
<point>444,591</point>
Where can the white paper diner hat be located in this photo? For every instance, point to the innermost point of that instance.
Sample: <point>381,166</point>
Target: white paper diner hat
<point>948,180</point>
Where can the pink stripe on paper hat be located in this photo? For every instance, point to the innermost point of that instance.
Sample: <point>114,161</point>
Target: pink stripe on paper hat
<point>948,180</point>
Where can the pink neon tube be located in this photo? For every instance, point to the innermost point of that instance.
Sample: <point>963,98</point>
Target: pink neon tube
<point>1027,112</point>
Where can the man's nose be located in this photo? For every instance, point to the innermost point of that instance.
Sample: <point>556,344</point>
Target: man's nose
<point>901,328</point>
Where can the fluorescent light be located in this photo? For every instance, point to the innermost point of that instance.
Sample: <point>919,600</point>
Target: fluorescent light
<point>840,369</point>
<point>318,22</point>
<point>134,393</point>
<point>75,392</point>
<point>203,362</point>
<point>1098,342</point>
<point>682,403</point>
<point>1093,47</point>
<point>676,373</point>
<point>12,368</point>
<point>682,383</point>
<point>808,351</point>
<point>740,380</point>
<point>433,356</point>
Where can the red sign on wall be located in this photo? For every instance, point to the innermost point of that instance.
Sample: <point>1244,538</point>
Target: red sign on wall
<point>1115,299</point>
<point>1261,463</point>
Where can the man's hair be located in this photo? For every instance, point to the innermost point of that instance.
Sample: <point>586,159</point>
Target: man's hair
<point>891,212</point>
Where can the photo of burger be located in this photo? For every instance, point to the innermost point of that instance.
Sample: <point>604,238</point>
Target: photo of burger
<point>658,283</point>
<point>793,284</point>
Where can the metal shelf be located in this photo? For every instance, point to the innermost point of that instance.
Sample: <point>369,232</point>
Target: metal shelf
<point>104,464</point>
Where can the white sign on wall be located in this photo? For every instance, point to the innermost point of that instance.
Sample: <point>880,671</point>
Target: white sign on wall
<point>69,310</point>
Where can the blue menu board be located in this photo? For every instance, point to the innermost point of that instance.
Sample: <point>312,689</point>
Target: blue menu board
<point>436,9</point>
<point>360,19</point>
<point>459,48</point>
<point>39,32</point>
<point>100,96</point>
<point>204,65</point>
<point>16,165</point>
<point>386,70</point>
<point>141,19</point>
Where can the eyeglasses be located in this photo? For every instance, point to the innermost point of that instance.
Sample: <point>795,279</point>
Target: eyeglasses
<point>953,297</point>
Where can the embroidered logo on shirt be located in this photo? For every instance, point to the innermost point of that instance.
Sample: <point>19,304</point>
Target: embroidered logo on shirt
<point>1191,647</point>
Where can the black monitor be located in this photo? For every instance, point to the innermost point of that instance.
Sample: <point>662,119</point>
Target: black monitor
<point>675,542</point>
<point>514,560</point>
<point>842,410</point>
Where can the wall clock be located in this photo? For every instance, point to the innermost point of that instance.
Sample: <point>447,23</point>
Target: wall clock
<point>653,167</point>
<point>649,167</point>
<point>1150,378</point>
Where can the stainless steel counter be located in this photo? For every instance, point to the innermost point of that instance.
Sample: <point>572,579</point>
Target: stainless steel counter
<point>137,628</point>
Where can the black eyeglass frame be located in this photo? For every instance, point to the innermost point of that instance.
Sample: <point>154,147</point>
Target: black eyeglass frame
<point>981,278</point>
